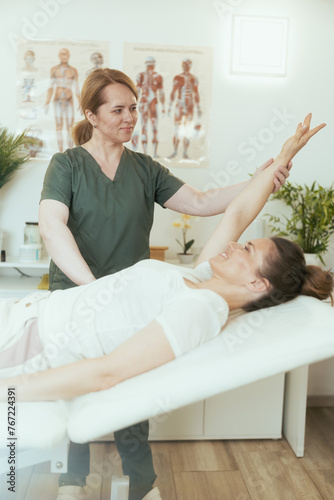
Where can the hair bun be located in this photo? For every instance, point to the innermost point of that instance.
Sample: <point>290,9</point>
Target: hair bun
<point>318,283</point>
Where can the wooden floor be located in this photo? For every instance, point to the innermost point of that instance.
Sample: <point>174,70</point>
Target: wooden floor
<point>213,470</point>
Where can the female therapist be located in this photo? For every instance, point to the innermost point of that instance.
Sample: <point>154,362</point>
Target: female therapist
<point>95,217</point>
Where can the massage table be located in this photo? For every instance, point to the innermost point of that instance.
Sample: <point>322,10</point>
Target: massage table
<point>252,346</point>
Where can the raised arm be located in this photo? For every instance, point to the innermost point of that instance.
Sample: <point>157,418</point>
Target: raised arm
<point>247,205</point>
<point>191,201</point>
<point>59,242</point>
<point>146,350</point>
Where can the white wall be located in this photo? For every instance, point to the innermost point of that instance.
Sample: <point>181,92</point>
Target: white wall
<point>241,106</point>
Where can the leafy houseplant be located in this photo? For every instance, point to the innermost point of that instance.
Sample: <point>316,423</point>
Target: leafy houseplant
<point>183,223</point>
<point>311,223</point>
<point>14,151</point>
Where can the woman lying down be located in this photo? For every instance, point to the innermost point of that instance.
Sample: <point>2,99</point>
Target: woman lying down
<point>90,338</point>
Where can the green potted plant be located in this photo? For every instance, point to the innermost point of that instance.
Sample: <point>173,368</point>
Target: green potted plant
<point>311,222</point>
<point>183,223</point>
<point>14,151</point>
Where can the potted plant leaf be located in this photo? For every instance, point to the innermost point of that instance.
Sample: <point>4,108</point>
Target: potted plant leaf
<point>311,222</point>
<point>14,151</point>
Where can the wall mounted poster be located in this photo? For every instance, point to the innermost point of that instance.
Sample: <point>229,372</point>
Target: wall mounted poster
<point>174,85</point>
<point>50,74</point>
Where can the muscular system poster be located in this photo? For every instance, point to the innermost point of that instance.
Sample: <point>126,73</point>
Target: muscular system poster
<point>50,74</point>
<point>174,86</point>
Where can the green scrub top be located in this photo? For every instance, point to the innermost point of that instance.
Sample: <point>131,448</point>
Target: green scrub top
<point>110,220</point>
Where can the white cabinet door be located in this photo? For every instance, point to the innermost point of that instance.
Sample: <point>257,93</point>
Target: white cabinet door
<point>253,411</point>
<point>184,423</point>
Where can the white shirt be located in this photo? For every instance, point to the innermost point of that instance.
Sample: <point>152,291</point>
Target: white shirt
<point>92,320</point>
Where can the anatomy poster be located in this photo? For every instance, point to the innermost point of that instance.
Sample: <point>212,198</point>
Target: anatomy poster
<point>50,74</point>
<point>174,86</point>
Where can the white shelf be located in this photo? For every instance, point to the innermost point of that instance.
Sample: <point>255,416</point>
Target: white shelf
<point>15,262</point>
<point>19,283</point>
<point>18,286</point>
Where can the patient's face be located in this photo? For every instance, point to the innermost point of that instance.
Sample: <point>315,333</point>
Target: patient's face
<point>240,263</point>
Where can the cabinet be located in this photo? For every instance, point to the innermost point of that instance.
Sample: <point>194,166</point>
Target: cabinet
<point>254,411</point>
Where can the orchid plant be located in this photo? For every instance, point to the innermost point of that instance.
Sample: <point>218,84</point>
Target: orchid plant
<point>183,223</point>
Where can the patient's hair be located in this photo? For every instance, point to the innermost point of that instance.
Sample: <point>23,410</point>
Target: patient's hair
<point>93,96</point>
<point>289,276</point>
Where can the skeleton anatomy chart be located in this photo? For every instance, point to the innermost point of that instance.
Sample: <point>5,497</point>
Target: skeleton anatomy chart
<point>50,74</point>
<point>174,87</point>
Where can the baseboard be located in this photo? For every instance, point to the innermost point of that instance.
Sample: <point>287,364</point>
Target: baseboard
<point>320,401</point>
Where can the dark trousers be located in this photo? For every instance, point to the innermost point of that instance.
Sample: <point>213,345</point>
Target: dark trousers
<point>136,455</point>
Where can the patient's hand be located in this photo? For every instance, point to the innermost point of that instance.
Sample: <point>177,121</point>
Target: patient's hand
<point>299,140</point>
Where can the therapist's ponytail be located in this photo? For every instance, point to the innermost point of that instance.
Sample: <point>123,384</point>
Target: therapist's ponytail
<point>93,96</point>
<point>289,276</point>
<point>82,132</point>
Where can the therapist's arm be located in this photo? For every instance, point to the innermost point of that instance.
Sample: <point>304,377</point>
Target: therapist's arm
<point>59,242</point>
<point>191,201</point>
<point>144,351</point>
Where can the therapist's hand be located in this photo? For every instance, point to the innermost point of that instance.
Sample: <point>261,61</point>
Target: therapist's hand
<point>281,174</point>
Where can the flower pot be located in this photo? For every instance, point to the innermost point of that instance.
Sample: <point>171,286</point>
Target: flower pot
<point>312,259</point>
<point>185,258</point>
